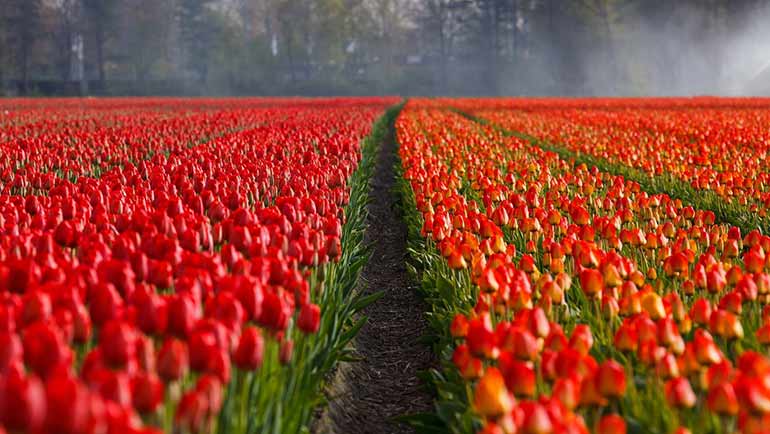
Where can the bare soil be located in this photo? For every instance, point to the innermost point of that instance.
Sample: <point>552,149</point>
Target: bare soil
<point>366,395</point>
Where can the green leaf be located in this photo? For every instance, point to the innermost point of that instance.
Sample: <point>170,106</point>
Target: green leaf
<point>362,301</point>
<point>424,423</point>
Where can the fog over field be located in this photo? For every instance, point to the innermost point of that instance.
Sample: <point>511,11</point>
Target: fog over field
<point>433,47</point>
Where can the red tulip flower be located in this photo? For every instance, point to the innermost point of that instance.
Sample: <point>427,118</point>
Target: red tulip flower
<point>679,393</point>
<point>22,402</point>
<point>611,379</point>
<point>611,424</point>
<point>309,318</point>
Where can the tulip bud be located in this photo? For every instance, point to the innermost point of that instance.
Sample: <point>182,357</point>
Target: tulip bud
<point>722,400</point>
<point>69,405</point>
<point>172,360</point>
<point>487,281</point>
<point>701,311</point>
<point>715,279</point>
<point>286,351</point>
<point>147,392</point>
<point>567,391</point>
<point>44,349</point>
<point>181,315</point>
<point>611,424</point>
<point>592,282</point>
<point>706,351</point>
<point>249,353</point>
<point>191,412</point>
<point>481,339</point>
<point>519,376</point>
<point>309,318</point>
<point>610,307</point>
<point>679,393</point>
<point>490,397</point>
<point>536,419</point>
<point>22,403</point>
<point>582,340</point>
<point>118,343</point>
<point>653,305</point>
<point>459,327</point>
<point>611,379</point>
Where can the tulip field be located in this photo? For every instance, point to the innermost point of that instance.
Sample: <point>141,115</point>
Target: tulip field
<point>595,265</point>
<point>192,265</point>
<point>177,265</point>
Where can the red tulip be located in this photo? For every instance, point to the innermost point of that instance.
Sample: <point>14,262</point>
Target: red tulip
<point>567,391</point>
<point>106,304</point>
<point>612,424</point>
<point>611,379</point>
<point>114,386</point>
<point>22,402</point>
<point>753,395</point>
<point>68,405</point>
<point>309,318</point>
<point>275,312</point>
<point>459,327</point>
<point>722,399</point>
<point>581,340</point>
<point>469,366</point>
<point>519,376</point>
<point>66,234</point>
<point>679,393</point>
<point>172,360</point>
<point>11,351</point>
<point>151,312</point>
<point>120,274</point>
<point>181,315</point>
<point>248,355</point>
<point>44,349</point>
<point>191,412</point>
<point>536,419</point>
<point>118,343</point>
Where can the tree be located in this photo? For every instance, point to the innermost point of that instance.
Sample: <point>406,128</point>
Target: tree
<point>144,34</point>
<point>23,20</point>
<point>195,36</point>
<point>65,33</point>
<point>100,17</point>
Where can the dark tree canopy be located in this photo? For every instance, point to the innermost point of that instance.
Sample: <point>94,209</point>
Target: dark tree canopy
<point>315,47</point>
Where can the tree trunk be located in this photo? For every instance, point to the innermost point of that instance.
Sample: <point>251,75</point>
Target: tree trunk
<point>100,52</point>
<point>290,59</point>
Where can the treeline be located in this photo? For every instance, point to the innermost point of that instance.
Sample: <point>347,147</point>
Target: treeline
<point>318,47</point>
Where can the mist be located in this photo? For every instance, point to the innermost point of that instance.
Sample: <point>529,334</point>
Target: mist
<point>375,47</point>
<point>687,50</point>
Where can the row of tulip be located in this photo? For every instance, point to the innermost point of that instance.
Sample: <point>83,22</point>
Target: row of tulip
<point>209,289</point>
<point>567,299</point>
<point>58,152</point>
<point>699,146</point>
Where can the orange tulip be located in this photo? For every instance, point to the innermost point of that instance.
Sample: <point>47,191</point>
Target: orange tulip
<point>490,397</point>
<point>592,282</point>
<point>459,327</point>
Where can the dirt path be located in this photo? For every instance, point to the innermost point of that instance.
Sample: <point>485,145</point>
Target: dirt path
<point>384,384</point>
